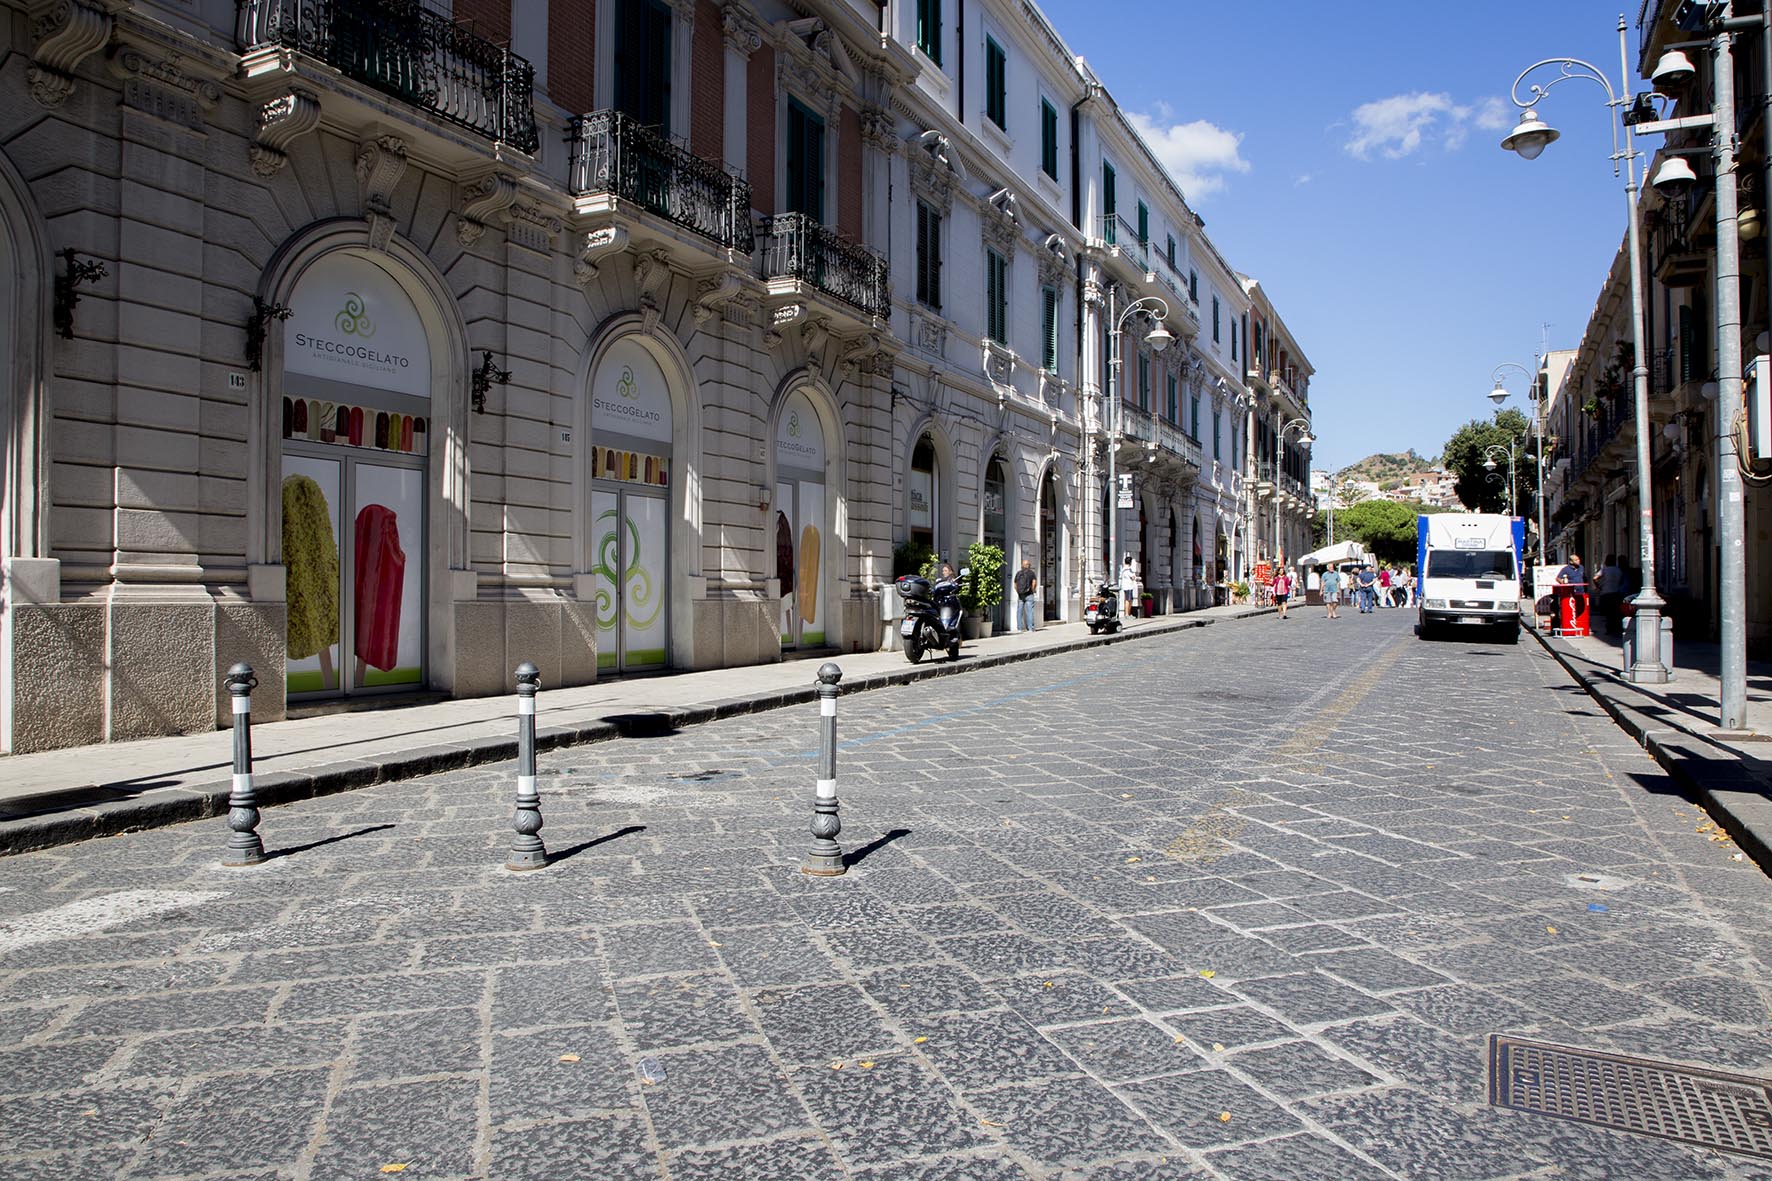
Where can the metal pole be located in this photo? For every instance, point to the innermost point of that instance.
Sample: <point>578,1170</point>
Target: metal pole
<point>1109,416</point>
<point>1732,654</point>
<point>826,860</point>
<point>1648,668</point>
<point>527,851</point>
<point>1538,426</point>
<point>244,845</point>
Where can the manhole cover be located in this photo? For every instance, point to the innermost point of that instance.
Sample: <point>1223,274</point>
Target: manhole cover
<point>1730,1112</point>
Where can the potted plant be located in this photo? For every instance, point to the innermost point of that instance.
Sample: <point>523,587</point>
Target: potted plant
<point>984,588</point>
<point>1239,592</point>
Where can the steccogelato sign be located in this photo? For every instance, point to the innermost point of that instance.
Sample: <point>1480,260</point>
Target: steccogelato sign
<point>799,437</point>
<point>629,396</point>
<point>349,321</point>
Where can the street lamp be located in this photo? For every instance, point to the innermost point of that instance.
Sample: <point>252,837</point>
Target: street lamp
<point>1159,338</point>
<point>1529,138</point>
<point>1672,72</point>
<point>1489,465</point>
<point>1303,427</point>
<point>1536,392</point>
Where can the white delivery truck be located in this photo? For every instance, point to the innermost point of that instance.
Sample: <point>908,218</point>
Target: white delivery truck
<point>1467,570</point>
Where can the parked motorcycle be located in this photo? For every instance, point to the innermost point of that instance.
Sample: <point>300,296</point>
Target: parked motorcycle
<point>931,615</point>
<point>1103,612</point>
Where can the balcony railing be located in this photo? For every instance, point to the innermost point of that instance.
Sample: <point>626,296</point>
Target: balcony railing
<point>799,247</point>
<point>401,48</point>
<point>1117,231</point>
<point>611,153</point>
<point>1661,371</point>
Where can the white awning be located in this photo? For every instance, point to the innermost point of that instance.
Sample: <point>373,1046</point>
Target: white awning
<point>1335,555</point>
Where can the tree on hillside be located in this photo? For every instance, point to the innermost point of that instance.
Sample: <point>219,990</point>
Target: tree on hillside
<point>1481,490</point>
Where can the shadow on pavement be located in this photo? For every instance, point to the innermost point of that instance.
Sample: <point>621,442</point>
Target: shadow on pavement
<point>575,850</point>
<point>648,725</point>
<point>856,856</point>
<point>343,836</point>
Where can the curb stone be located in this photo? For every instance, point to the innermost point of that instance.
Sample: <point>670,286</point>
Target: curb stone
<point>130,812</point>
<point>1709,774</point>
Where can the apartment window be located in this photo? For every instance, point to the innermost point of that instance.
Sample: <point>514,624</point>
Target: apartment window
<point>996,296</point>
<point>1049,139</point>
<point>1144,382</point>
<point>1171,406</point>
<point>1217,434</point>
<point>1215,319</point>
<point>643,61</point>
<point>929,29</point>
<point>1233,338</point>
<point>1144,225</point>
<point>1170,253</point>
<point>996,84</point>
<point>1107,201</point>
<point>928,257</point>
<point>1193,286</point>
<point>1049,329</point>
<point>805,158</point>
<point>1194,415</point>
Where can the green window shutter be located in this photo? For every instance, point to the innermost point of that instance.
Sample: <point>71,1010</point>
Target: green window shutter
<point>929,29</point>
<point>922,253</point>
<point>805,161</point>
<point>996,86</point>
<point>1107,201</point>
<point>1217,433</point>
<point>1170,410</point>
<point>1215,319</point>
<point>1144,225</point>
<point>1233,338</point>
<point>1049,329</point>
<point>1195,414</point>
<point>1144,382</point>
<point>1049,139</point>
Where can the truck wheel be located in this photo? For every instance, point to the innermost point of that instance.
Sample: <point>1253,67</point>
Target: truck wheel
<point>1512,633</point>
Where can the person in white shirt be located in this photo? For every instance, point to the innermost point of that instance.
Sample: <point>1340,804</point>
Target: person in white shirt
<point>1129,587</point>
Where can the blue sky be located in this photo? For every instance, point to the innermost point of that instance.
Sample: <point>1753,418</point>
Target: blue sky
<point>1347,156</point>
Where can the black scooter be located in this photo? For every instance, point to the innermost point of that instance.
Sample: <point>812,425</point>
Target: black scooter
<point>931,615</point>
<point>1103,612</point>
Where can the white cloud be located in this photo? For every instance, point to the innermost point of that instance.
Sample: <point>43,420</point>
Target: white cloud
<point>1302,180</point>
<point>1199,155</point>
<point>1398,126</point>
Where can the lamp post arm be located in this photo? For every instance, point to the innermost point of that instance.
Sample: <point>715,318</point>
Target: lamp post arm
<point>1574,67</point>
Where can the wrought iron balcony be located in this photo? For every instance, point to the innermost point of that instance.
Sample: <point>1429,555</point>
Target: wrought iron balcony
<point>612,153</point>
<point>1117,231</point>
<point>801,248</point>
<point>401,48</point>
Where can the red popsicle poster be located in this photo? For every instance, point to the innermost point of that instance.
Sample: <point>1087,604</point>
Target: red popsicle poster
<point>381,580</point>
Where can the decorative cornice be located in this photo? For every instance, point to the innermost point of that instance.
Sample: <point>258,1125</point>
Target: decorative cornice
<point>597,244</point>
<point>162,88</point>
<point>532,227</point>
<point>280,122</point>
<point>710,294</point>
<point>740,30</point>
<point>879,128</point>
<point>65,33</point>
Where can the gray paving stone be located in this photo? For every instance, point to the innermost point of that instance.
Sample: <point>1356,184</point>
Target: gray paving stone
<point>1191,1107</point>
<point>1231,1027</point>
<point>1293,1158</point>
<point>662,1012</point>
<point>983,1049</point>
<point>430,1127</point>
<point>612,1145</point>
<point>891,1110</point>
<point>715,1096</point>
<point>405,1045</point>
<point>759,956</point>
<point>566,1073</point>
<point>528,997</point>
<point>236,1123</point>
<point>1307,998</point>
<point>1293,1070</point>
<point>1068,1121</point>
<point>1116,1051</point>
<point>820,1023</point>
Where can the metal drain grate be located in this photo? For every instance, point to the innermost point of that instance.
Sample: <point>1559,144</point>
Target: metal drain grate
<point>1729,1112</point>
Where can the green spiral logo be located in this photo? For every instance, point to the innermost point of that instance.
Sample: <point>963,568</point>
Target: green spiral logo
<point>625,387</point>
<point>353,319</point>
<point>793,424</point>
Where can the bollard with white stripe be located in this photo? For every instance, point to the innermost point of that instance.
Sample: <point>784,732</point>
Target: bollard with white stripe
<point>826,860</point>
<point>244,845</point>
<point>527,851</point>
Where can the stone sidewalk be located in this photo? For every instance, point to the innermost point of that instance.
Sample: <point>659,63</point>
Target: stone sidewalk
<point>1728,772</point>
<point>69,795</point>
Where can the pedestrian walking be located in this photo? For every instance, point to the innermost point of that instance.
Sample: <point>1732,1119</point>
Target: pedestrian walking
<point>1609,593</point>
<point>1025,582</point>
<point>1282,591</point>
<point>1129,588</point>
<point>1384,586</point>
<point>1331,592</point>
<point>1366,587</point>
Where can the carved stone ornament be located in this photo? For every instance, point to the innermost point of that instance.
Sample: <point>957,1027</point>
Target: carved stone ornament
<point>597,244</point>
<point>815,333</point>
<point>780,319</point>
<point>64,33</point>
<point>652,272</point>
<point>1001,231</point>
<point>162,88</point>
<point>481,201</point>
<point>381,162</point>
<point>1093,293</point>
<point>861,353</point>
<point>934,170</point>
<point>1055,262</point>
<point>280,122</point>
<point>532,227</point>
<point>999,366</point>
<point>740,31</point>
<point>932,336</point>
<point>879,128</point>
<point>710,294</point>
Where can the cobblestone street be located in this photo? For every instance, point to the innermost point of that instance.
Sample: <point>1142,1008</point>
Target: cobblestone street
<point>1242,902</point>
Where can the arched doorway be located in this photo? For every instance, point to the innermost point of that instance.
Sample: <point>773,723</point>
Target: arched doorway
<point>631,459</point>
<point>1147,568</point>
<point>356,425</point>
<point>1177,575</point>
<point>801,523</point>
<point>1049,542</point>
<point>1199,559</point>
<point>1221,556</point>
<point>995,526</point>
<point>922,493</point>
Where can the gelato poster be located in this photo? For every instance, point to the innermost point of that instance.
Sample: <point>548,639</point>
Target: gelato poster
<point>629,563</point>
<point>799,561</point>
<point>351,322</point>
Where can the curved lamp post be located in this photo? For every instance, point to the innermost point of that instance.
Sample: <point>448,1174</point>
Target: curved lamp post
<point>1489,465</point>
<point>1303,427</point>
<point>1159,338</point>
<point>1498,395</point>
<point>1530,137</point>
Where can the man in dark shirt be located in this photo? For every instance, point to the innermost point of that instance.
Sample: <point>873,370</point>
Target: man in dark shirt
<point>1366,586</point>
<point>1025,582</point>
<point>1573,575</point>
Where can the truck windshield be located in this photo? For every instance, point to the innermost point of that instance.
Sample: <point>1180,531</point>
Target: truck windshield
<point>1449,563</point>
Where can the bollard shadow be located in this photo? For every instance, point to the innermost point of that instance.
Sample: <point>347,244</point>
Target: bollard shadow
<point>648,725</point>
<point>273,854</point>
<point>575,850</point>
<point>856,856</point>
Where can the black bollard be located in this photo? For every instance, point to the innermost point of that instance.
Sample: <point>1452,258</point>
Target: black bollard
<point>826,860</point>
<point>244,845</point>
<point>527,851</point>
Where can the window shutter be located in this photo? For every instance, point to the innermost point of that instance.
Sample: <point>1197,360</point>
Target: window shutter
<point>1049,139</point>
<point>922,253</point>
<point>1049,329</point>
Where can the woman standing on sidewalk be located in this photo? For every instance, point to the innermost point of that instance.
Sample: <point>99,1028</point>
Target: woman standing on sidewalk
<point>1282,590</point>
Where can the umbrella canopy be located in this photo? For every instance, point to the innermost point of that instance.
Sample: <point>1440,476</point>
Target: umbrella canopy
<point>1335,555</point>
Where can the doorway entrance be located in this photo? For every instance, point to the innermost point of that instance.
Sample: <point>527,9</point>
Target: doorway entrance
<point>631,423</point>
<point>800,523</point>
<point>1049,548</point>
<point>996,528</point>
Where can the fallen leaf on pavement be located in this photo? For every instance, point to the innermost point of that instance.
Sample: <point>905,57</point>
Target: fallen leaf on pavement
<point>918,1040</point>
<point>1133,860</point>
<point>865,1065</point>
<point>1179,1039</point>
<point>396,1168</point>
<point>836,1066</point>
<point>1218,1047</point>
<point>1208,973</point>
<point>991,1123</point>
<point>1550,930</point>
<point>1224,1117</point>
<point>569,1057</point>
